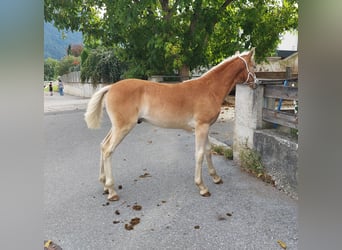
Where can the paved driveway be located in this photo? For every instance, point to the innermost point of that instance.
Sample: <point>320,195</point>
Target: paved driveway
<point>154,168</point>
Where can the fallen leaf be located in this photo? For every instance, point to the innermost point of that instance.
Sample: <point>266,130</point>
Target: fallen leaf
<point>50,245</point>
<point>282,244</point>
<point>47,244</point>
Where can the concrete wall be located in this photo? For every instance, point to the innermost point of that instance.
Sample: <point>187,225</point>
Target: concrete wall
<point>279,152</point>
<point>74,86</point>
<point>279,155</point>
<point>81,89</point>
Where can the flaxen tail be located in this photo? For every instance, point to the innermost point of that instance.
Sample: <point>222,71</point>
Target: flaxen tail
<point>94,111</point>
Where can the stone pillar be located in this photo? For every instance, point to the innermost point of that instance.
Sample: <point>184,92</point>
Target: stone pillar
<point>248,116</point>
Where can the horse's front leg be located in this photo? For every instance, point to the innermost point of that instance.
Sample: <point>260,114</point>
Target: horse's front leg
<point>201,133</point>
<point>212,171</point>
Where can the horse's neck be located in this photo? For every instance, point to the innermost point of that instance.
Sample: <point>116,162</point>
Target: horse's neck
<point>223,79</point>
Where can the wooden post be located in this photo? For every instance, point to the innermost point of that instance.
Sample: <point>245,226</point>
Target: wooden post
<point>288,72</point>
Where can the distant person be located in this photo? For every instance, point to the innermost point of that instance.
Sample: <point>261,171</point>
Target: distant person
<point>60,87</point>
<point>50,88</point>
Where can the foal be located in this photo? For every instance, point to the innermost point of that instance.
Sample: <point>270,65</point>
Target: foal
<point>193,104</point>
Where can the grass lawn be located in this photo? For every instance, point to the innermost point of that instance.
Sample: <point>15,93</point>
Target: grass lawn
<point>54,88</point>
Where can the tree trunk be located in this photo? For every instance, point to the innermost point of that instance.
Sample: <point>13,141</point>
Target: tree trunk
<point>185,73</point>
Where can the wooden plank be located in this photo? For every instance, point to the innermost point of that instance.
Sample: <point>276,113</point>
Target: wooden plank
<point>280,81</point>
<point>282,118</point>
<point>274,91</point>
<point>268,82</point>
<point>271,74</point>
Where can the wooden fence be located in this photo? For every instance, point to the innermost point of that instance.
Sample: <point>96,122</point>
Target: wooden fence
<point>280,103</point>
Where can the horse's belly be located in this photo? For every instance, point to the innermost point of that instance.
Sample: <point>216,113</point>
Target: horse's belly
<point>168,122</point>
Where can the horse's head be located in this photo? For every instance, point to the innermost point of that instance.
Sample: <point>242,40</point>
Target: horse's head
<point>248,76</point>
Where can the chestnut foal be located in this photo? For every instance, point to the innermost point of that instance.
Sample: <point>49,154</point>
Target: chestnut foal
<point>193,104</point>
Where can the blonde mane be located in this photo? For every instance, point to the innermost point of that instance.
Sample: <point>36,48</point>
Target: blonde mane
<point>225,61</point>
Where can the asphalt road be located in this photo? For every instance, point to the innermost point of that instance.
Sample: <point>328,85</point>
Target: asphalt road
<point>154,169</point>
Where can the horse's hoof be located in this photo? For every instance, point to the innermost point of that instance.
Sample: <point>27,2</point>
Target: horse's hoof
<point>219,181</point>
<point>207,194</point>
<point>113,198</point>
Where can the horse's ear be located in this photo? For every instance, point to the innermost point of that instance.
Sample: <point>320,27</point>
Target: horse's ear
<point>252,52</point>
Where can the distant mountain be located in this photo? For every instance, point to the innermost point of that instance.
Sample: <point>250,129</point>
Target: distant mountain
<point>54,44</point>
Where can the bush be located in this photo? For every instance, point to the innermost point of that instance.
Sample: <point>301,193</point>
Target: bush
<point>101,65</point>
<point>50,69</point>
<point>251,160</point>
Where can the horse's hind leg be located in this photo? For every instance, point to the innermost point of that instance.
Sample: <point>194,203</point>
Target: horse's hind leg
<point>102,176</point>
<point>212,171</point>
<point>112,140</point>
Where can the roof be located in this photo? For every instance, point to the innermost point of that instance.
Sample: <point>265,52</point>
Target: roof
<point>285,53</point>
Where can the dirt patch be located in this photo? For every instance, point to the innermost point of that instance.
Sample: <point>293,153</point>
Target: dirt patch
<point>229,101</point>
<point>146,174</point>
<point>137,207</point>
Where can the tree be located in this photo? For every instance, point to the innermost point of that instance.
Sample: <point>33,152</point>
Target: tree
<point>68,64</point>
<point>160,36</point>
<point>69,50</point>
<point>50,69</point>
<point>74,50</point>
